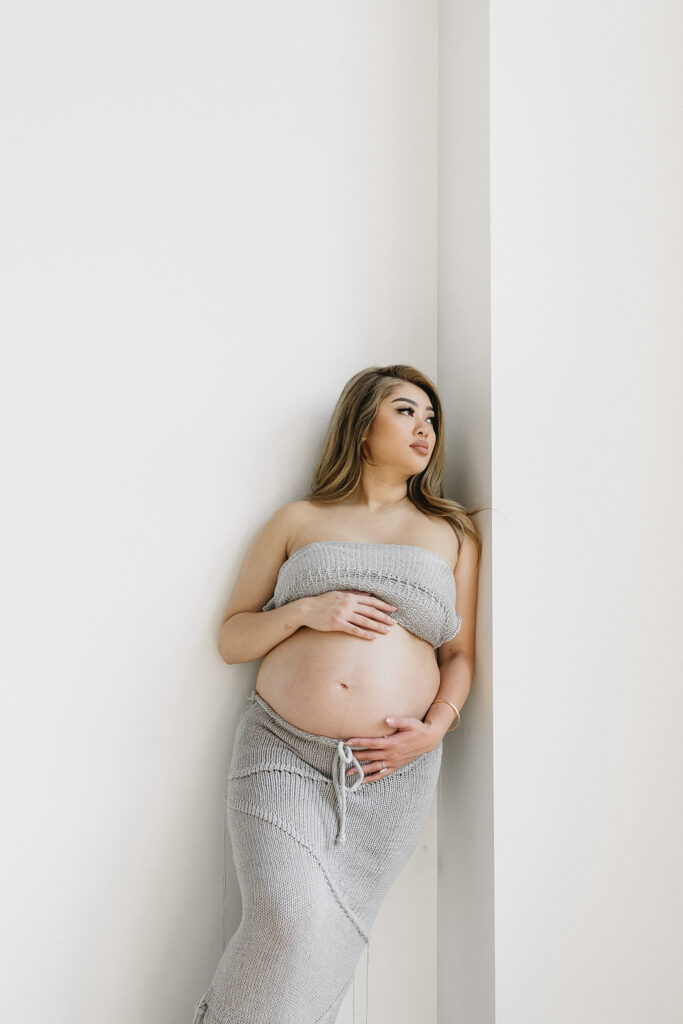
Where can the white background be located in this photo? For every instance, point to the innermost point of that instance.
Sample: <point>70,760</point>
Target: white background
<point>212,216</point>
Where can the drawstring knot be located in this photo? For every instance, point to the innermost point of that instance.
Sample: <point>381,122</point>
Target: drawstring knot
<point>343,757</point>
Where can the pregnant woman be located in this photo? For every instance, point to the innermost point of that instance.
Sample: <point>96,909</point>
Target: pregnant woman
<point>349,599</point>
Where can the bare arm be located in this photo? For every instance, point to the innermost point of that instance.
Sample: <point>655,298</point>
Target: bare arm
<point>248,633</point>
<point>247,636</point>
<point>456,657</point>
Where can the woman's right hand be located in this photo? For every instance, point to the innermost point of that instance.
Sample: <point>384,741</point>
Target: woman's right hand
<point>349,611</point>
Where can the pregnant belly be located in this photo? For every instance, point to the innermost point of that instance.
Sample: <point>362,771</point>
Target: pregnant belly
<point>335,684</point>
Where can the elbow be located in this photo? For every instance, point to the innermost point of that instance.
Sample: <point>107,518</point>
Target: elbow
<point>462,657</point>
<point>224,647</point>
<point>225,655</point>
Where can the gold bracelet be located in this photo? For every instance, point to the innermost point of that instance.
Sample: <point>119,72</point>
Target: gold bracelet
<point>440,699</point>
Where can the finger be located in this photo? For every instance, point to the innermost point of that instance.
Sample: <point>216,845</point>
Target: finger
<point>367,766</point>
<point>375,614</point>
<point>376,602</point>
<point>367,743</point>
<point>383,614</point>
<point>372,768</point>
<point>368,623</point>
<point>376,776</point>
<point>377,756</point>
<point>354,630</point>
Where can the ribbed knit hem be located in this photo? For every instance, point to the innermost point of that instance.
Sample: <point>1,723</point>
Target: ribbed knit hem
<point>417,581</point>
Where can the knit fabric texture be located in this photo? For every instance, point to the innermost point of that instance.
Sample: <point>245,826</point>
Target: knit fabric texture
<point>416,580</point>
<point>315,854</point>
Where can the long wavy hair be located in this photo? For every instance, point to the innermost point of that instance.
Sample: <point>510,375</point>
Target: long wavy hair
<point>339,468</point>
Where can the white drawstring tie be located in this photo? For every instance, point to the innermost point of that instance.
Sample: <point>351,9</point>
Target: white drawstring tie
<point>343,757</point>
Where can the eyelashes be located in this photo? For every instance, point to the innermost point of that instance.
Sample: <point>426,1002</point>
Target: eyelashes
<point>408,408</point>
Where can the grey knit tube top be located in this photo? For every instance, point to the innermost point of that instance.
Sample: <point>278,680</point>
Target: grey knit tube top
<point>418,581</point>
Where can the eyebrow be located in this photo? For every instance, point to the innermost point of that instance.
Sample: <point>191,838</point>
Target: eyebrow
<point>411,402</point>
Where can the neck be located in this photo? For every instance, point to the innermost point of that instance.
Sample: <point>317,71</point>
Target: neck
<point>378,493</point>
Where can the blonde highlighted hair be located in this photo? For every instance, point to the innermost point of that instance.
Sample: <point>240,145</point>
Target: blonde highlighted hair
<point>339,468</point>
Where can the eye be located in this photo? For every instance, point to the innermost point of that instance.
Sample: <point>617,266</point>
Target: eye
<point>409,408</point>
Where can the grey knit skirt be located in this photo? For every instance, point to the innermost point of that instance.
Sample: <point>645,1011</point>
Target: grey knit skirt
<point>315,854</point>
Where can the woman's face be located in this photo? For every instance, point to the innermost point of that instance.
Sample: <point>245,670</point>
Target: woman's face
<point>404,418</point>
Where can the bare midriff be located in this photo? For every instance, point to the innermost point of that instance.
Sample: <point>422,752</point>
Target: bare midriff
<point>336,684</point>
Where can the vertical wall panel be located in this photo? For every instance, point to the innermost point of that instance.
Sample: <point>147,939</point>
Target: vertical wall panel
<point>466,922</point>
<point>586,328</point>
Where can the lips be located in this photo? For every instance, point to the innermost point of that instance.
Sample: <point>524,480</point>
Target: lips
<point>421,448</point>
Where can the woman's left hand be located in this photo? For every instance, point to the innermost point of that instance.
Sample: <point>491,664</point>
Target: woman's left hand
<point>412,738</point>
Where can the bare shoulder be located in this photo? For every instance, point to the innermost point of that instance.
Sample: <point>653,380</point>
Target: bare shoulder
<point>287,517</point>
<point>305,520</point>
<point>445,538</point>
<point>265,556</point>
<point>297,517</point>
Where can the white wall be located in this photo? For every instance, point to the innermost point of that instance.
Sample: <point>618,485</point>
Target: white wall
<point>586,328</point>
<point>213,215</point>
<point>466,913</point>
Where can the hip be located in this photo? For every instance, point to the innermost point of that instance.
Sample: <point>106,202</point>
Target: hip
<point>294,781</point>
